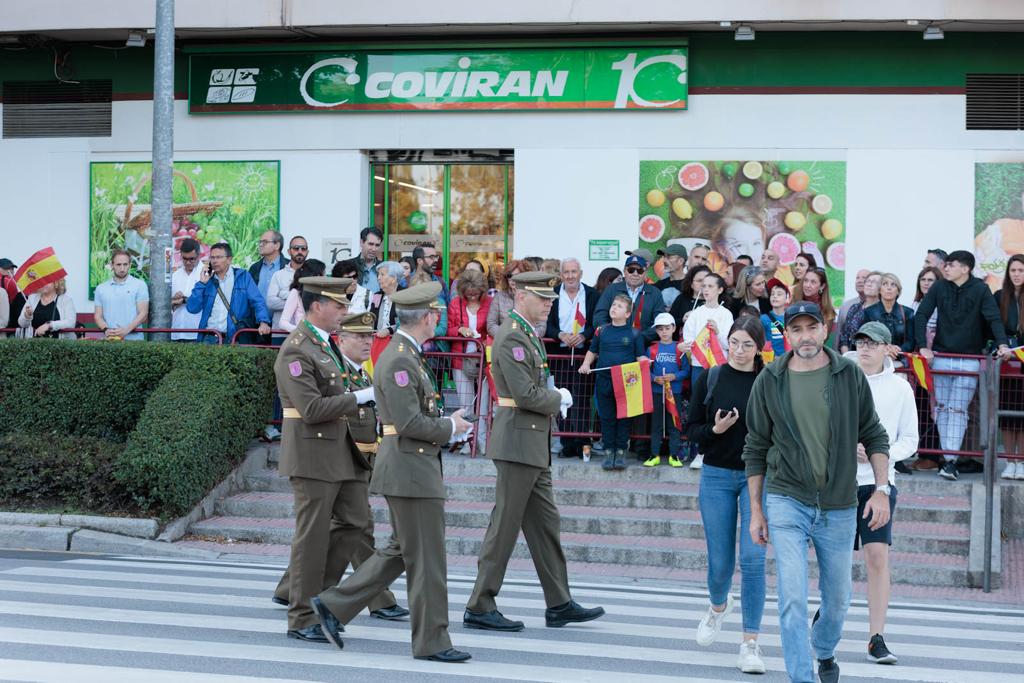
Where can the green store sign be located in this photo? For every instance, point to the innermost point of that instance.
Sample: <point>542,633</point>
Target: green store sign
<point>647,77</point>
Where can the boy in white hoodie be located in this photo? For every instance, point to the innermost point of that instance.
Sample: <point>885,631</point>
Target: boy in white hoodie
<point>894,403</point>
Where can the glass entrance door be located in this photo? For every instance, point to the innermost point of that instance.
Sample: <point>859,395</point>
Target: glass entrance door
<point>465,210</point>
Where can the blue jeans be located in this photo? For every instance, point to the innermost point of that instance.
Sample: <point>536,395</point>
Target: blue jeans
<point>662,424</point>
<point>721,490</point>
<point>790,525</point>
<point>953,394</point>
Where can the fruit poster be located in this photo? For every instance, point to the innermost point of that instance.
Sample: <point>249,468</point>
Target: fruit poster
<point>998,219</point>
<point>745,207</point>
<point>213,201</point>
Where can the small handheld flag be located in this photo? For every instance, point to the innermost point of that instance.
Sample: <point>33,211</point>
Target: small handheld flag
<point>1018,351</point>
<point>579,321</point>
<point>377,347</point>
<point>632,385</point>
<point>922,372</point>
<point>671,408</point>
<point>707,350</point>
<point>39,270</point>
<point>768,353</point>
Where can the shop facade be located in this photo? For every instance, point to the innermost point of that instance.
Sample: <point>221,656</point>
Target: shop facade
<point>496,149</point>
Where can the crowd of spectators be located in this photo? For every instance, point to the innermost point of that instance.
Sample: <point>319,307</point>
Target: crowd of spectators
<point>952,314</point>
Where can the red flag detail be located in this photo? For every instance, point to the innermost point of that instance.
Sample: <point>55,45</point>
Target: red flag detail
<point>672,409</point>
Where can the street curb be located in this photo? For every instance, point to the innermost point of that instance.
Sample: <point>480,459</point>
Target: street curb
<point>86,541</point>
<point>35,537</point>
<point>976,559</point>
<point>255,460</point>
<point>138,527</point>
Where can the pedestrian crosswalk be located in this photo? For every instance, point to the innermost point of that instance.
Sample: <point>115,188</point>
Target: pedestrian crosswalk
<point>84,619</point>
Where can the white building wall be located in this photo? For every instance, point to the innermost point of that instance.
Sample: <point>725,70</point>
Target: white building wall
<point>910,166</point>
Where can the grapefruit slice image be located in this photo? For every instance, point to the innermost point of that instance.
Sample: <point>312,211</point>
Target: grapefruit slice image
<point>652,228</point>
<point>835,255</point>
<point>693,176</point>
<point>786,246</point>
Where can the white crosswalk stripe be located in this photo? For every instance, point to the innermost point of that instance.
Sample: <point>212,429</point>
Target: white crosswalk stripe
<point>127,619</point>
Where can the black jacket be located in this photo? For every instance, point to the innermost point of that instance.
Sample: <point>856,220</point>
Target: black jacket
<point>553,327</point>
<point>900,323</point>
<point>968,317</point>
<point>653,304</point>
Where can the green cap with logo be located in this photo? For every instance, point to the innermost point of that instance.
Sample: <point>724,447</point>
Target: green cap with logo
<point>537,282</point>
<point>419,296</point>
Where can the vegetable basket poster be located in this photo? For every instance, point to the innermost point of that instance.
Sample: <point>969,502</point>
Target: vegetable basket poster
<point>998,218</point>
<point>745,207</point>
<point>213,201</point>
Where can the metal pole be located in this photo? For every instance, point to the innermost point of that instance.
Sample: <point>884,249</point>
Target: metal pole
<point>992,427</point>
<point>160,245</point>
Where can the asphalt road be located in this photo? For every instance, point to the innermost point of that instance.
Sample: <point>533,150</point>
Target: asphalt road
<point>82,618</point>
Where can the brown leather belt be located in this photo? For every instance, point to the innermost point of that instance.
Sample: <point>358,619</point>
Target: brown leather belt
<point>366,447</point>
<point>389,430</point>
<point>506,402</point>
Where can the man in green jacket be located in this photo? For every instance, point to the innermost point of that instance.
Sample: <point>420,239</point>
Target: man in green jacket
<point>807,413</point>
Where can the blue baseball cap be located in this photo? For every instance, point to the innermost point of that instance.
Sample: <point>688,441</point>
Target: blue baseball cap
<point>634,260</point>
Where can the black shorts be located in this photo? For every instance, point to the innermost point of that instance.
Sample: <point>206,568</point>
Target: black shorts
<point>864,533</point>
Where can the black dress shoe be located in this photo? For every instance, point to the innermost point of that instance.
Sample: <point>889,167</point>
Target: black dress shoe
<point>490,621</point>
<point>570,612</point>
<point>329,625</point>
<point>279,601</point>
<point>449,656</point>
<point>392,613</point>
<point>311,634</point>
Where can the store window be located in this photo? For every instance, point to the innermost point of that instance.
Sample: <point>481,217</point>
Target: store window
<point>464,209</point>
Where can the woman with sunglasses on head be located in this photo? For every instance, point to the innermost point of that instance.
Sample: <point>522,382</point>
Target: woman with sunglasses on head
<point>504,298</point>
<point>750,291</point>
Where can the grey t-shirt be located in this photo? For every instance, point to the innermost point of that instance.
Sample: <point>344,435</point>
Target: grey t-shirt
<point>809,402</point>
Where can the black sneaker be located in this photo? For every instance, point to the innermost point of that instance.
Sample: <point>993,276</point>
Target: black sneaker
<point>902,468</point>
<point>948,470</point>
<point>878,652</point>
<point>828,670</point>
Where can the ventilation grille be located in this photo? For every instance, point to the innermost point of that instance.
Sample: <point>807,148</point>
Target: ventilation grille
<point>48,109</point>
<point>995,101</point>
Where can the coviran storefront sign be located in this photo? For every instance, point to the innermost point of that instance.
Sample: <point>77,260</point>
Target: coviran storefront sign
<point>367,80</point>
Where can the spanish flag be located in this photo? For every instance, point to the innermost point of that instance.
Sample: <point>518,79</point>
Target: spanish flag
<point>1019,352</point>
<point>377,347</point>
<point>768,353</point>
<point>632,385</point>
<point>579,321</point>
<point>922,372</point>
<point>671,408</point>
<point>39,270</point>
<point>707,350</point>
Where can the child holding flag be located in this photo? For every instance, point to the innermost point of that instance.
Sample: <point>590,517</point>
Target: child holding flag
<point>614,343</point>
<point>712,314</point>
<point>668,370</point>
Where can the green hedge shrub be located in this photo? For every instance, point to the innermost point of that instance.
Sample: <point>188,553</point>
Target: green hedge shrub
<point>183,413</point>
<point>73,473</point>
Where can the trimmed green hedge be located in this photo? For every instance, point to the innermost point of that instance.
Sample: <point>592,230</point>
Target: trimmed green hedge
<point>75,472</point>
<point>183,412</point>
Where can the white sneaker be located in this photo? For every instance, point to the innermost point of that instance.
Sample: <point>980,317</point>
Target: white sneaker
<point>1010,471</point>
<point>1020,470</point>
<point>711,624</point>
<point>750,661</point>
<point>697,462</point>
<point>272,433</point>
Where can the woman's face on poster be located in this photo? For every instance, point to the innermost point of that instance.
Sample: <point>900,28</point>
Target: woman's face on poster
<point>740,238</point>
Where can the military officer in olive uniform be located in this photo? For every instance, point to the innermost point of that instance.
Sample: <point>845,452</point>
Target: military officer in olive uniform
<point>326,469</point>
<point>351,535</point>
<point>407,472</point>
<point>520,448</point>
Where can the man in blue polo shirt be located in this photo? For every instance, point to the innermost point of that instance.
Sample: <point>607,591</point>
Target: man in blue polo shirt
<point>122,302</point>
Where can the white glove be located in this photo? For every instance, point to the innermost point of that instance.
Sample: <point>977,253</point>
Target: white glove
<point>364,395</point>
<point>566,401</point>
<point>551,382</point>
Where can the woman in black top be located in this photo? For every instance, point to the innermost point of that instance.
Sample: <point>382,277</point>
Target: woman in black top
<point>750,291</point>
<point>717,422</point>
<point>1010,299</point>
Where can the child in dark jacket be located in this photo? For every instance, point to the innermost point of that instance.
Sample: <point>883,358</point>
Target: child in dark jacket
<point>669,368</point>
<point>615,343</point>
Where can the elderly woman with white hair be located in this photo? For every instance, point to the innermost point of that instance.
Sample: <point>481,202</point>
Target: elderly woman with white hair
<point>389,274</point>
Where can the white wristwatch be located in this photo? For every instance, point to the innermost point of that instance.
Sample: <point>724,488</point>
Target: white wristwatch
<point>883,489</point>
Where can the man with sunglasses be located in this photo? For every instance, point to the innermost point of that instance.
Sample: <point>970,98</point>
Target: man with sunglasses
<point>184,280</point>
<point>647,299</point>
<point>281,282</point>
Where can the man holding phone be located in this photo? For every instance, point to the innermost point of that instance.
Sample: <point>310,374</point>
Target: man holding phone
<point>227,298</point>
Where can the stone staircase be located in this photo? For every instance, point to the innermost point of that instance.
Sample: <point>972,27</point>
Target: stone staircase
<point>643,522</point>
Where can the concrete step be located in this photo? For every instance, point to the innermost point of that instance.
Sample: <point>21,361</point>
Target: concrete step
<point>645,495</point>
<point>911,535</point>
<point>666,552</point>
